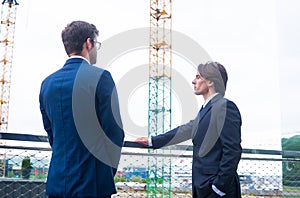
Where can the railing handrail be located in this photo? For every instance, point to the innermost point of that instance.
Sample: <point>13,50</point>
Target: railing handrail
<point>129,144</point>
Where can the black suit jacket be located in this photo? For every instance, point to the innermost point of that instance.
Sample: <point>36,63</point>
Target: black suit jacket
<point>216,137</point>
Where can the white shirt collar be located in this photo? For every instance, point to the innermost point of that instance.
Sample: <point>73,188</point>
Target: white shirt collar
<point>209,99</point>
<point>77,56</point>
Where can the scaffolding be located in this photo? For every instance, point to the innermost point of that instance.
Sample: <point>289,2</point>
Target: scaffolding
<point>159,106</point>
<point>7,32</point>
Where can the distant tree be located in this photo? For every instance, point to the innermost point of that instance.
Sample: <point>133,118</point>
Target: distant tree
<point>1,167</point>
<point>26,167</point>
<point>10,174</point>
<point>136,179</point>
<point>291,169</point>
<point>120,179</point>
<point>291,144</point>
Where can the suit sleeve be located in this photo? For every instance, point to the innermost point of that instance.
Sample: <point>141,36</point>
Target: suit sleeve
<point>231,148</point>
<point>175,136</point>
<point>108,109</point>
<point>46,121</point>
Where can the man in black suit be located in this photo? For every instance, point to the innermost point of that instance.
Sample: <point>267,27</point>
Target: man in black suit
<point>216,136</point>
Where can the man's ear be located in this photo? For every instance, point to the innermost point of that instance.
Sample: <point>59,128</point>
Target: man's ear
<point>210,83</point>
<point>89,44</point>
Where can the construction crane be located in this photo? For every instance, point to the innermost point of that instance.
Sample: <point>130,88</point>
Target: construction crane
<point>159,105</point>
<point>7,32</point>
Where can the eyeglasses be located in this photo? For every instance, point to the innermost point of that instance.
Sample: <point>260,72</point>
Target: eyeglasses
<point>98,45</point>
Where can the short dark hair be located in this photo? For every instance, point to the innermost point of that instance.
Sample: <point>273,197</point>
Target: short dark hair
<point>76,33</point>
<point>216,73</point>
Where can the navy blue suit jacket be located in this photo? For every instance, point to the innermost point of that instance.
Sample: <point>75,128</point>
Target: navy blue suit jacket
<point>74,171</point>
<point>216,137</point>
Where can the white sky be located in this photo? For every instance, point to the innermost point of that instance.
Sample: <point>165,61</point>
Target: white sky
<point>257,41</point>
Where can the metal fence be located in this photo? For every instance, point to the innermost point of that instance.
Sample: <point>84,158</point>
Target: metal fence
<point>263,173</point>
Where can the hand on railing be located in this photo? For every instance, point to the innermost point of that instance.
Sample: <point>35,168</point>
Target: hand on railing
<point>143,140</point>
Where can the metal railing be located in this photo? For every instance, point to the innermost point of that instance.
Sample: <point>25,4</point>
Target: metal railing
<point>263,173</point>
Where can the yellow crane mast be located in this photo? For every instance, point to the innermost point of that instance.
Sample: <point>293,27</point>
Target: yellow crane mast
<point>7,31</point>
<point>160,94</point>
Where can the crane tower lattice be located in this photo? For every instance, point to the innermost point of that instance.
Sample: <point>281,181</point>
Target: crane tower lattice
<point>7,31</point>
<point>159,106</point>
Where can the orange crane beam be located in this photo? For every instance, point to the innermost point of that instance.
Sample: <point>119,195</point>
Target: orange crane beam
<point>7,31</point>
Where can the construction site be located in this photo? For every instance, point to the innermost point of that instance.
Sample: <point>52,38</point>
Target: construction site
<point>153,53</point>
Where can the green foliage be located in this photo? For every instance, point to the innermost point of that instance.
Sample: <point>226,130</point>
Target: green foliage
<point>291,144</point>
<point>136,179</point>
<point>160,180</point>
<point>291,169</point>
<point>291,189</point>
<point>132,179</point>
<point>10,174</point>
<point>42,176</point>
<point>1,167</point>
<point>26,164</point>
<point>120,179</point>
<point>144,180</point>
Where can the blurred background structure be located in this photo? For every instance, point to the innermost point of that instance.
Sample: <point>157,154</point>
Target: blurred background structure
<point>261,173</point>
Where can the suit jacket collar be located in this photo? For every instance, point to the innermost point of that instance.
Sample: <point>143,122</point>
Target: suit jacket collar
<point>209,99</point>
<point>209,105</point>
<point>215,99</point>
<point>72,61</point>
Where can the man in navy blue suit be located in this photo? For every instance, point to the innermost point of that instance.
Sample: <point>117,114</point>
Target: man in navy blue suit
<point>216,137</point>
<point>80,111</point>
